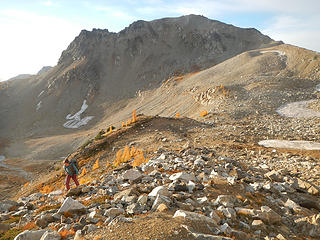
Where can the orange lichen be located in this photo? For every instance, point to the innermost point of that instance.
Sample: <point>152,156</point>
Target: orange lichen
<point>177,115</point>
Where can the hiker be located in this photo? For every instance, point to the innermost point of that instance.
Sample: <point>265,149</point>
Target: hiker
<point>72,169</point>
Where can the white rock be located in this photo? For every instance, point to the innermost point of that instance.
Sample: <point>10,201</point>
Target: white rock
<point>226,228</point>
<point>113,212</point>
<point>56,193</point>
<point>183,176</point>
<point>159,200</point>
<point>142,200</point>
<point>132,175</point>
<point>191,186</point>
<point>70,205</point>
<point>193,216</point>
<point>78,235</point>
<point>202,200</point>
<point>48,235</point>
<point>199,162</point>
<point>162,157</point>
<point>30,235</point>
<point>291,204</point>
<point>228,212</point>
<point>231,180</point>
<point>160,190</point>
<point>225,200</point>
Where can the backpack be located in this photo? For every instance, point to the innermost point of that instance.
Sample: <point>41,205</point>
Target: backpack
<point>75,165</point>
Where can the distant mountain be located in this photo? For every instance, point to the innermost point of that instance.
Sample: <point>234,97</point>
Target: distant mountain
<point>20,76</point>
<point>44,70</point>
<point>100,68</point>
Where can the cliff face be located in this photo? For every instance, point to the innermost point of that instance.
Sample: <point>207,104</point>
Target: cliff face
<point>146,53</point>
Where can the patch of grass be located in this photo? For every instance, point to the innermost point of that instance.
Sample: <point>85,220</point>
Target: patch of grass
<point>10,234</point>
<point>99,135</point>
<point>48,207</point>
<point>12,220</point>
<point>83,146</point>
<point>100,200</point>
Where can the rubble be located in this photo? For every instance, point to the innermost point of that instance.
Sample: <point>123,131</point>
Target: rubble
<point>269,202</point>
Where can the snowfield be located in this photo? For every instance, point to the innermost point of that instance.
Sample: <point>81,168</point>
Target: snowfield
<point>280,53</point>
<point>38,106</point>
<point>75,121</point>
<point>301,145</point>
<point>298,110</point>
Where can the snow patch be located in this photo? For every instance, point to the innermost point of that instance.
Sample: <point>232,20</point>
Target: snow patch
<point>301,145</point>
<point>280,53</point>
<point>75,121</point>
<point>38,105</point>
<point>2,157</point>
<point>298,110</point>
<point>41,93</point>
<point>318,88</point>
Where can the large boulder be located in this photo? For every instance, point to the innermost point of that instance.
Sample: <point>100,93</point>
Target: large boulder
<point>72,206</point>
<point>183,176</point>
<point>132,175</point>
<point>194,217</point>
<point>74,192</point>
<point>160,190</point>
<point>30,235</point>
<point>113,212</point>
<point>6,205</point>
<point>48,235</point>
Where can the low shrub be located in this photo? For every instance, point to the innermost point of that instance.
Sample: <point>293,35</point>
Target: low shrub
<point>10,234</point>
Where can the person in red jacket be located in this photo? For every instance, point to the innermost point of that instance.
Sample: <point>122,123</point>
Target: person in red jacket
<point>72,169</point>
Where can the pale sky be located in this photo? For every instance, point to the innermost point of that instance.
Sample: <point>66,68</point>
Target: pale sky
<point>35,32</point>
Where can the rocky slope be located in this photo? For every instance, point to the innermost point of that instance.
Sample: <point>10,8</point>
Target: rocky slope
<point>195,183</point>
